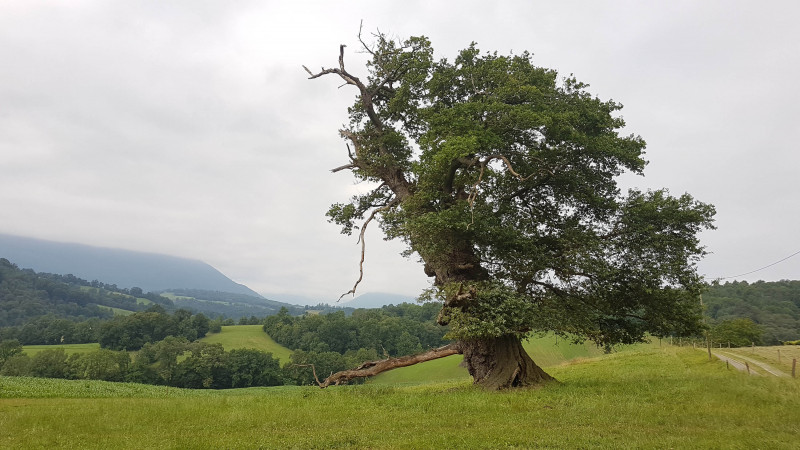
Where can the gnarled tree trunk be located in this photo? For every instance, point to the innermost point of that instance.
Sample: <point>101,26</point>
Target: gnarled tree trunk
<point>501,363</point>
<point>497,363</point>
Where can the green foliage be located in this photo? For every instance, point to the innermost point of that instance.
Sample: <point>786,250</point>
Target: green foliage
<point>18,365</point>
<point>101,364</point>
<point>26,295</point>
<point>774,306</point>
<point>173,361</point>
<point>396,330</point>
<point>250,367</point>
<point>737,332</point>
<point>501,178</point>
<point>8,349</point>
<point>133,331</point>
<point>50,364</point>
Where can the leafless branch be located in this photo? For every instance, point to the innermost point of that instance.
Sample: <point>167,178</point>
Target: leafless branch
<point>364,44</point>
<point>386,207</point>
<point>346,166</point>
<point>313,370</point>
<point>508,166</point>
<point>372,368</point>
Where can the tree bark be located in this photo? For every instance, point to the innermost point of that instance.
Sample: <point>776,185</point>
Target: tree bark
<point>501,363</point>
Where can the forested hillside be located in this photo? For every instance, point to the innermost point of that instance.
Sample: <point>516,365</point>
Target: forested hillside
<point>26,295</point>
<point>227,304</point>
<point>125,268</point>
<point>775,306</point>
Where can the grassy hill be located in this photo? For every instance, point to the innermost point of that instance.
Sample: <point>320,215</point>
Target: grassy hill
<point>248,336</point>
<point>642,398</point>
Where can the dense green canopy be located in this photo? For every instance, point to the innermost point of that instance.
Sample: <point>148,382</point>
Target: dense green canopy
<point>501,177</point>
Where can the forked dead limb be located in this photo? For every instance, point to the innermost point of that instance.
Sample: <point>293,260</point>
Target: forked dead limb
<point>364,247</point>
<point>372,368</point>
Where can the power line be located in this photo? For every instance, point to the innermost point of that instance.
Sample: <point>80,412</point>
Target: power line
<point>758,270</point>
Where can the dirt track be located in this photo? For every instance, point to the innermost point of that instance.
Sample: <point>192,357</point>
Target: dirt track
<point>757,368</point>
<point>764,366</point>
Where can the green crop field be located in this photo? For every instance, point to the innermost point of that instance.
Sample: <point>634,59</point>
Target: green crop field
<point>69,349</point>
<point>248,336</point>
<point>646,397</point>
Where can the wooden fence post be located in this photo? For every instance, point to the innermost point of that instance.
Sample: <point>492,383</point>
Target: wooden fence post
<point>779,356</point>
<point>748,367</point>
<point>794,365</point>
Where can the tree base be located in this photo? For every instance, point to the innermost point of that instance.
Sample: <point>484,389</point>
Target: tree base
<point>501,363</point>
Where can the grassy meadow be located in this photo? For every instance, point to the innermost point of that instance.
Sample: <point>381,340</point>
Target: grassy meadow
<point>645,397</point>
<point>248,336</point>
<point>69,349</point>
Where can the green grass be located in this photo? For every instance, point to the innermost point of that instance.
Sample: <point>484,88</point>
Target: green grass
<point>641,398</point>
<point>248,336</point>
<point>69,349</point>
<point>116,311</point>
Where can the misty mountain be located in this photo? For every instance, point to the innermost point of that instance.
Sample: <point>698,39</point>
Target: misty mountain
<point>125,268</point>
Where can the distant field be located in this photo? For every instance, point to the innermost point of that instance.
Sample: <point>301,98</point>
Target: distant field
<point>546,351</point>
<point>248,336</point>
<point>180,298</point>
<point>69,349</point>
<point>117,311</point>
<point>646,397</point>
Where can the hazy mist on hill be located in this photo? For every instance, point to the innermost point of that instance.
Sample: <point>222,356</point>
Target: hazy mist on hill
<point>126,269</point>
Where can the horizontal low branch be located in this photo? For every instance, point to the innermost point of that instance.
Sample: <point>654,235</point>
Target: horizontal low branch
<point>372,368</point>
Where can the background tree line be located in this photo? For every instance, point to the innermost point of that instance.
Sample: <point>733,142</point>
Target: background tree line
<point>26,296</point>
<point>335,341</point>
<point>767,312</point>
<point>173,361</point>
<point>393,330</point>
<point>127,332</point>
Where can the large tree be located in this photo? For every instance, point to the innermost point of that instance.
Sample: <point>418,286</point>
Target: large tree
<point>500,176</point>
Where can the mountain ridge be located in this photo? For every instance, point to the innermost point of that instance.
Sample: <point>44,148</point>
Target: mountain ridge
<point>125,268</point>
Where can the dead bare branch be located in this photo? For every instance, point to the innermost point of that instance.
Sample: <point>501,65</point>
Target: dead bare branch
<point>508,166</point>
<point>346,166</point>
<point>313,370</point>
<point>372,368</point>
<point>386,207</point>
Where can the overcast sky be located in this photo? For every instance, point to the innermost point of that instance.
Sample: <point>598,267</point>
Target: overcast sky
<point>189,128</point>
